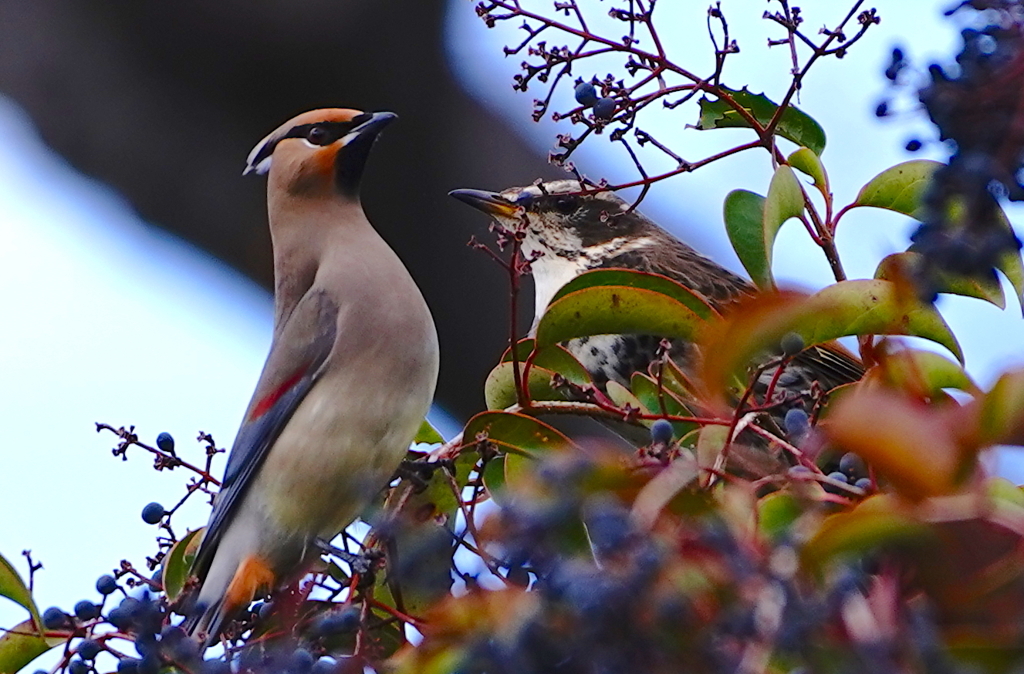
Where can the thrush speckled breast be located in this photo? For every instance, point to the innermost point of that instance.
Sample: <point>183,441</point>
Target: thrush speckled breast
<point>572,233</point>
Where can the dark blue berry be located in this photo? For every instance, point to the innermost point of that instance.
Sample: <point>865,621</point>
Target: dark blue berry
<point>146,644</point>
<point>799,471</point>
<point>913,145</point>
<point>586,94</point>
<point>153,513</point>
<point>183,650</point>
<point>120,618</point>
<point>796,422</point>
<point>106,585</point>
<point>88,649</point>
<point>123,615</point>
<point>661,432</point>
<point>608,524</point>
<point>54,618</point>
<point>337,622</point>
<point>839,477</point>
<point>128,666</point>
<point>852,465</point>
<point>792,344</point>
<point>86,610</point>
<point>604,108</point>
<point>882,109</point>
<point>300,662</point>
<point>165,441</point>
<point>77,666</point>
<point>863,483</point>
<point>150,664</point>
<point>265,610</point>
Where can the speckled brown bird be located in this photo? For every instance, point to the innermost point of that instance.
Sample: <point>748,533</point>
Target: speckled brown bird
<point>572,233</point>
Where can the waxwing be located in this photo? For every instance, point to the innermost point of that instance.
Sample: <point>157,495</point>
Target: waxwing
<point>350,374</point>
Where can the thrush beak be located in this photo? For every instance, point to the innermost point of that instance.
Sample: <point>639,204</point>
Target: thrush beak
<point>491,203</point>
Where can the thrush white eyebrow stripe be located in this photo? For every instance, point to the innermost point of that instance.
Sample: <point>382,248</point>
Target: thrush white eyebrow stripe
<point>617,246</point>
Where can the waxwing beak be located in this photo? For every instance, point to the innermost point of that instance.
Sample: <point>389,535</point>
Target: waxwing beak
<point>369,129</point>
<point>491,203</point>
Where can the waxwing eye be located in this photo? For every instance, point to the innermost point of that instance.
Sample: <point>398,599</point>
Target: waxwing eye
<point>317,135</point>
<point>567,204</point>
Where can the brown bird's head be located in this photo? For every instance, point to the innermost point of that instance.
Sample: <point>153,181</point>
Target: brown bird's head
<point>560,220</point>
<point>319,151</point>
<point>575,232</point>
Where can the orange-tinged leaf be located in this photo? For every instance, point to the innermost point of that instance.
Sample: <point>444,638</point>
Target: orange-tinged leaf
<point>922,374</point>
<point>756,325</point>
<point>918,448</point>
<point>876,522</point>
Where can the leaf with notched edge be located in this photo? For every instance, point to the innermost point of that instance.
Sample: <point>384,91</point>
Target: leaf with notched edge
<point>794,124</point>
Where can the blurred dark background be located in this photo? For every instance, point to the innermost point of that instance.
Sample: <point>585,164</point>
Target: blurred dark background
<point>163,100</point>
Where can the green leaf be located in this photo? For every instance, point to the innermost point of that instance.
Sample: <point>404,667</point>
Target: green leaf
<point>871,307</point>
<point>637,279</point>
<point>776,512</point>
<point>428,435</point>
<point>500,386</point>
<point>494,478</point>
<point>794,125</point>
<point>500,389</point>
<point>899,188</point>
<point>710,442</point>
<point>806,161</point>
<point>12,587</point>
<point>553,358</point>
<point>902,265</point>
<point>178,564</point>
<point>785,200</point>
<point>21,645</point>
<point>622,396</point>
<point>744,222</point>
<point>1001,417</point>
<point>614,310</point>
<point>926,373</point>
<point>519,436</point>
<point>646,391</point>
<point>1011,264</point>
<point>515,433</point>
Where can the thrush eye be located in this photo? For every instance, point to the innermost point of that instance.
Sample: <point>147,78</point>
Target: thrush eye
<point>567,204</point>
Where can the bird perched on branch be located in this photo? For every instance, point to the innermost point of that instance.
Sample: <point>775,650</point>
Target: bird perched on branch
<point>570,233</point>
<point>350,374</point>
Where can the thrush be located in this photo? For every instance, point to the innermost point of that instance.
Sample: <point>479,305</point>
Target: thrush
<point>350,374</point>
<point>569,233</point>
